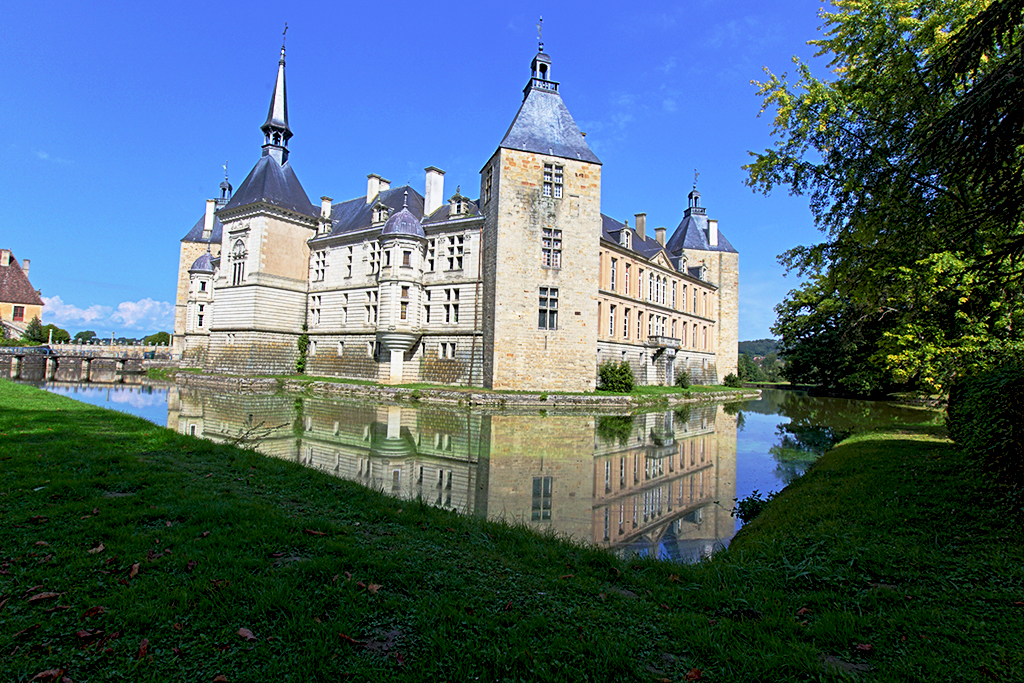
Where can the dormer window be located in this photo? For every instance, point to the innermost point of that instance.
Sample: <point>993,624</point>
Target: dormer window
<point>625,238</point>
<point>380,213</point>
<point>458,205</point>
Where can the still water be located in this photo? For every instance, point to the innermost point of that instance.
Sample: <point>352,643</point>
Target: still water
<point>660,484</point>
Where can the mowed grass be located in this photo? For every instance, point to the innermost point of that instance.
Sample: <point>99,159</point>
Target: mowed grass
<point>890,561</point>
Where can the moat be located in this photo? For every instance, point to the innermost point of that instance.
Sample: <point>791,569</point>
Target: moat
<point>660,483</point>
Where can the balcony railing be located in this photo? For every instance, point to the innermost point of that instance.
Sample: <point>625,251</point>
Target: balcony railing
<point>665,342</point>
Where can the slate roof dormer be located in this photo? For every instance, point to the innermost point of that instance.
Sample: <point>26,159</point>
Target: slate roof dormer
<point>543,124</point>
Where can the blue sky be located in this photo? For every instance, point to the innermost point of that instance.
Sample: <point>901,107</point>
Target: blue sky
<point>119,117</point>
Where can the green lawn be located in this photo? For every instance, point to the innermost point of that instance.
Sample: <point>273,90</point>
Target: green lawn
<point>129,552</point>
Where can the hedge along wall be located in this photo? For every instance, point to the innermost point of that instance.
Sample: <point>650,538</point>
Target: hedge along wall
<point>985,416</point>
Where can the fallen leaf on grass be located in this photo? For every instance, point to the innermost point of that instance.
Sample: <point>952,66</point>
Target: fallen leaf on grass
<point>134,571</point>
<point>28,631</point>
<point>246,634</point>
<point>693,674</point>
<point>85,636</point>
<point>350,639</point>
<point>204,534</point>
<point>178,652</point>
<point>313,532</point>
<point>177,626</point>
<point>143,648</point>
<point>97,549</point>
<point>220,679</point>
<point>566,576</point>
<point>802,611</point>
<point>38,597</point>
<point>38,519</point>
<point>57,608</point>
<point>3,602</point>
<point>48,675</point>
<point>863,648</point>
<point>373,588</point>
<point>92,612</point>
<point>43,543</point>
<point>192,564</point>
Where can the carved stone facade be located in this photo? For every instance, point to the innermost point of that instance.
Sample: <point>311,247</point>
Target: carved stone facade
<point>513,290</point>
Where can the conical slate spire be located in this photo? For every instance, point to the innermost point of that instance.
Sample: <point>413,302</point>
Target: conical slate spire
<point>276,131</point>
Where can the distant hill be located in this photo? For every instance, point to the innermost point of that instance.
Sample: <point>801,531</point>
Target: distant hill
<point>759,347</point>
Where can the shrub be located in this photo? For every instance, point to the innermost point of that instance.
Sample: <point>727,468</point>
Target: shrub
<point>683,380</point>
<point>303,346</point>
<point>731,380</point>
<point>616,376</point>
<point>985,416</point>
<point>750,507</point>
<point>612,428</point>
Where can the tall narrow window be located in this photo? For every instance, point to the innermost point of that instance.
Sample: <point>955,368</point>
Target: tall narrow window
<point>238,267</point>
<point>451,308</point>
<point>319,266</point>
<point>431,252</point>
<point>541,499</point>
<point>639,325</point>
<point>547,318</point>
<point>551,248</point>
<point>695,302</point>
<point>552,181</point>
<point>314,309</point>
<point>625,324</point>
<point>627,279</point>
<point>488,181</point>
<point>611,321</point>
<point>673,294</point>
<point>406,259</point>
<point>614,264</point>
<point>348,262</point>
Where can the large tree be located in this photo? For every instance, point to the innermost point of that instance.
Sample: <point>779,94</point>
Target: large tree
<point>920,260</point>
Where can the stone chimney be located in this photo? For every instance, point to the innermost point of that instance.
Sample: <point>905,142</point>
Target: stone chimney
<point>325,214</point>
<point>641,225</point>
<point>24,267</point>
<point>5,257</point>
<point>433,196</point>
<point>211,206</point>
<point>713,232</point>
<point>375,184</point>
<point>659,234</point>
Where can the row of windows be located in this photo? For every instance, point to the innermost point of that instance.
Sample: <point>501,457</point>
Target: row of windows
<point>660,288</point>
<point>657,326</point>
<point>444,349</point>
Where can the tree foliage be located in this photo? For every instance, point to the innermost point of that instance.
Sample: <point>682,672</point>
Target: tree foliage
<point>84,337</point>
<point>911,155</point>
<point>158,338</point>
<point>616,376</point>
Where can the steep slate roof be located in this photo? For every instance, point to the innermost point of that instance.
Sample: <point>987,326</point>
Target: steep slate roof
<point>692,234</point>
<point>196,233</point>
<point>611,229</point>
<point>355,214</point>
<point>443,213</point>
<point>15,287</point>
<point>545,126</point>
<point>274,184</point>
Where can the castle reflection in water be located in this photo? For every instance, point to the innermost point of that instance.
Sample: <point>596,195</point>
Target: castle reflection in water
<point>659,484</point>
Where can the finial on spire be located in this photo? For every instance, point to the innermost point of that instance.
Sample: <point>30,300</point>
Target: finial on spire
<point>225,171</point>
<point>405,199</point>
<point>282,41</point>
<point>695,176</point>
<point>540,38</point>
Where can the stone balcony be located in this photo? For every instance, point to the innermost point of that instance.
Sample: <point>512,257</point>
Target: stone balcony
<point>665,342</point>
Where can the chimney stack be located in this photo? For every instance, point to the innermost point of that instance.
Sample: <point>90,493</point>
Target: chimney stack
<point>660,235</point>
<point>5,257</point>
<point>641,225</point>
<point>713,232</point>
<point>325,207</point>
<point>211,206</point>
<point>375,184</point>
<point>24,267</point>
<point>433,196</point>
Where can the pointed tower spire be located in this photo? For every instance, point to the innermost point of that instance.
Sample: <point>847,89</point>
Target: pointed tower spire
<point>276,132</point>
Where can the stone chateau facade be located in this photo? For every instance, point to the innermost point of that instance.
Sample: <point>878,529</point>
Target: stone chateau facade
<point>529,286</point>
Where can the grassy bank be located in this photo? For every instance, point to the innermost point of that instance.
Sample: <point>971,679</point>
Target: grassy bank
<point>886,563</point>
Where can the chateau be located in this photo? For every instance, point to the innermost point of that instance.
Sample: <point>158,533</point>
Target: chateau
<point>529,286</point>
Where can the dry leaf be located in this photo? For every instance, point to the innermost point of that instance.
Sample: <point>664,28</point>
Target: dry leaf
<point>48,675</point>
<point>802,611</point>
<point>97,549</point>
<point>693,674</point>
<point>43,543</point>
<point>246,634</point>
<point>93,611</point>
<point>43,596</point>
<point>143,648</point>
<point>350,639</point>
<point>221,678</point>
<point>373,588</point>
<point>38,519</point>
<point>133,572</point>
<point>313,532</point>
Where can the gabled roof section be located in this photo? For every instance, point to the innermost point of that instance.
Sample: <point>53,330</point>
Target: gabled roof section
<point>611,230</point>
<point>275,184</point>
<point>692,233</point>
<point>443,213</point>
<point>15,287</point>
<point>356,214</point>
<point>196,233</point>
<point>545,126</point>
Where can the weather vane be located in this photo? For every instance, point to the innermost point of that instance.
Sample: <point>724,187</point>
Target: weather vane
<point>540,39</point>
<point>225,171</point>
<point>283,34</point>
<point>695,176</point>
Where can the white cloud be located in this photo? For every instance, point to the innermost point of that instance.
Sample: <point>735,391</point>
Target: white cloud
<point>669,104</point>
<point>144,315</point>
<point>42,155</point>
